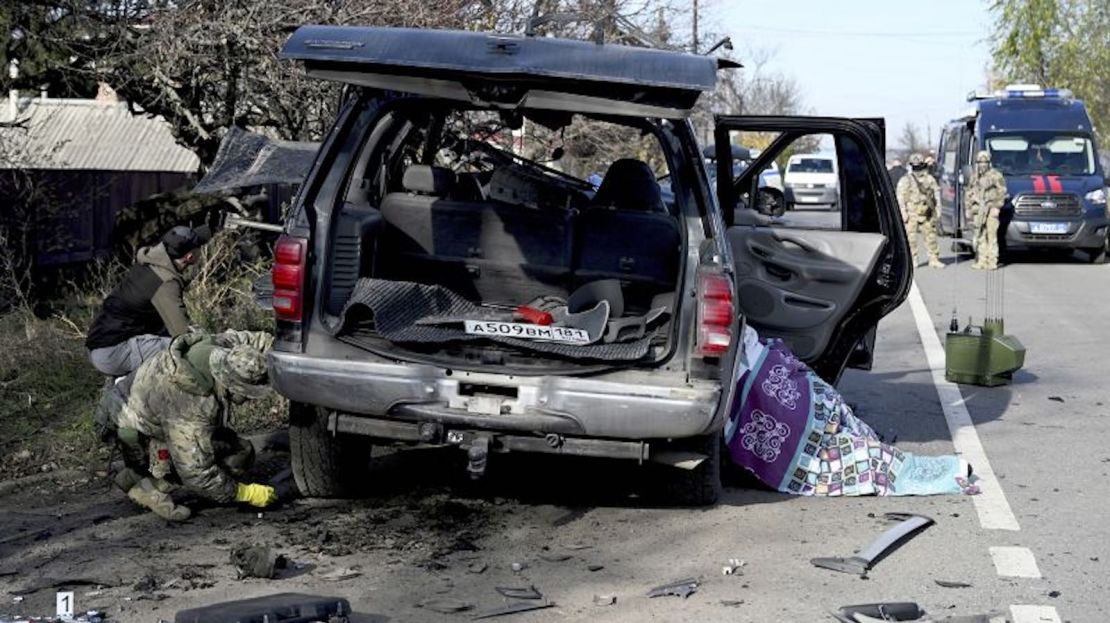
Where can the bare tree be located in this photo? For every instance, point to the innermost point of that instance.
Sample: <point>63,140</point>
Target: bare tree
<point>911,141</point>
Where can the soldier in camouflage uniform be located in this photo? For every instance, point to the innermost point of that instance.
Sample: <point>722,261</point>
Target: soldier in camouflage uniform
<point>985,196</point>
<point>172,425</point>
<point>917,195</point>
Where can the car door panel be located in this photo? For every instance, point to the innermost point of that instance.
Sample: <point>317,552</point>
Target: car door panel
<point>798,285</point>
<point>822,291</point>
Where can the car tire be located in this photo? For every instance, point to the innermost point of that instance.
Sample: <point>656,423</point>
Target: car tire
<point>325,465</point>
<point>700,486</point>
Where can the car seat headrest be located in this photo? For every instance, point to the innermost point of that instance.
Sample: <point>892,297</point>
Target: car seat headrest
<point>428,180</point>
<point>630,184</point>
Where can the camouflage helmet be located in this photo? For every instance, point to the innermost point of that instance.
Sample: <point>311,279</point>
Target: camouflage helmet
<point>930,161</point>
<point>983,157</point>
<point>916,160</point>
<point>242,370</point>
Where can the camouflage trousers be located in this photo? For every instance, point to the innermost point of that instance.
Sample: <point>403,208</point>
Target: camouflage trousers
<point>927,227</point>
<point>986,245</point>
<point>144,457</point>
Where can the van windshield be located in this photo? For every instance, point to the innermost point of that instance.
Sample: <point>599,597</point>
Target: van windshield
<point>1032,153</point>
<point>811,165</point>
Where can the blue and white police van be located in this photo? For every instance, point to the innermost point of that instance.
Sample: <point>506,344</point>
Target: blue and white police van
<point>1042,141</point>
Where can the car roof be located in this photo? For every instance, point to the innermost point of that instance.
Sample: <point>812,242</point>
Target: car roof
<point>507,70</point>
<point>1002,114</point>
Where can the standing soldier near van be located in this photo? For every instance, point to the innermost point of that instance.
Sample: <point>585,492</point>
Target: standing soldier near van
<point>985,196</point>
<point>917,196</point>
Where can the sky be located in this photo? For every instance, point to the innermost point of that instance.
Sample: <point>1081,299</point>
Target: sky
<point>905,61</point>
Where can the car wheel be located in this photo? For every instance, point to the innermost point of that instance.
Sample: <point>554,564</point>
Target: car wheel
<point>325,465</point>
<point>700,486</point>
<point>1098,255</point>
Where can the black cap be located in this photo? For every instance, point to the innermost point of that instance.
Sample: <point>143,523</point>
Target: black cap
<point>181,240</point>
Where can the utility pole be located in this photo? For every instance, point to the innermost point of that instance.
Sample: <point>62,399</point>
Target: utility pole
<point>695,27</point>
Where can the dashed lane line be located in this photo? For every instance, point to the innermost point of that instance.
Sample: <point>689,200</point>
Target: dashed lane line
<point>1015,562</point>
<point>1034,614</point>
<point>991,505</point>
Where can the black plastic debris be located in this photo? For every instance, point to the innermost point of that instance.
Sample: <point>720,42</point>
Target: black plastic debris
<point>445,606</point>
<point>284,607</point>
<point>892,611</point>
<point>513,608</point>
<point>529,592</point>
<point>880,548</point>
<point>947,584</point>
<point>680,588</point>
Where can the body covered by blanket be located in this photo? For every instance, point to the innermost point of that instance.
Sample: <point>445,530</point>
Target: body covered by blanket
<point>796,434</point>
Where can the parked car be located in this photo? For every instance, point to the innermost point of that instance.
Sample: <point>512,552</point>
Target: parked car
<point>1043,142</point>
<point>406,259</point>
<point>812,179</point>
<point>773,201</point>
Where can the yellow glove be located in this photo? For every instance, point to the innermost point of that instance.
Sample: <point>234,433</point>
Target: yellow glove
<point>260,496</point>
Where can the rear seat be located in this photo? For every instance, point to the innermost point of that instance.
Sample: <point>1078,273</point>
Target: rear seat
<point>484,250</point>
<point>628,234</point>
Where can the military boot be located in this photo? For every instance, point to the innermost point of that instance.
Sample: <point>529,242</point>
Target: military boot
<point>935,263</point>
<point>147,495</point>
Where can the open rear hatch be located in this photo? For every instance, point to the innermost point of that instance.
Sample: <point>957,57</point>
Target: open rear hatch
<point>507,70</point>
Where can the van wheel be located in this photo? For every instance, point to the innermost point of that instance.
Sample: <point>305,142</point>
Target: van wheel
<point>1098,254</point>
<point>325,465</point>
<point>700,486</point>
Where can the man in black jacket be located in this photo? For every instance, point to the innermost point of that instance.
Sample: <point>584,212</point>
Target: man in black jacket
<point>146,310</point>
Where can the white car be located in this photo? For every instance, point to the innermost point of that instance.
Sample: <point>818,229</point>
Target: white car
<point>812,179</point>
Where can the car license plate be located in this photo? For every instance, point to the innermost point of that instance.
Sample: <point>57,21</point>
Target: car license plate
<point>566,335</point>
<point>1048,228</point>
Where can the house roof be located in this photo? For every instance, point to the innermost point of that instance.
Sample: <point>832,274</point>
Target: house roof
<point>80,134</point>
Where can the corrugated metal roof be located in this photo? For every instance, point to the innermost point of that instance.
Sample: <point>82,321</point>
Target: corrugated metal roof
<point>76,134</point>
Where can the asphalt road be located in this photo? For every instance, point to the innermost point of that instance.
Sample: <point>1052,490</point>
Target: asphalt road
<point>424,536</point>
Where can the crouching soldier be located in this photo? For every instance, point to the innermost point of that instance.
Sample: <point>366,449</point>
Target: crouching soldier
<point>169,420</point>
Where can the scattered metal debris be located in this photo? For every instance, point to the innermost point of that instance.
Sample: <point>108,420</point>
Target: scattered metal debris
<point>947,584</point>
<point>732,603</point>
<point>893,611</point>
<point>887,542</point>
<point>733,567</point>
<point>574,547</point>
<point>519,593</point>
<point>517,567</point>
<point>445,606</point>
<point>681,588</point>
<point>513,608</point>
<point>605,600</point>
<point>1056,398</point>
<point>478,567</point>
<point>594,568</point>
<point>554,557</point>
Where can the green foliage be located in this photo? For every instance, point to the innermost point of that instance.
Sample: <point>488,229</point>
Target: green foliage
<point>1060,43</point>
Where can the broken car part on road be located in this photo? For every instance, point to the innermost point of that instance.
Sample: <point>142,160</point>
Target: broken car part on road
<point>886,543</point>
<point>681,588</point>
<point>284,607</point>
<point>892,611</point>
<point>513,608</point>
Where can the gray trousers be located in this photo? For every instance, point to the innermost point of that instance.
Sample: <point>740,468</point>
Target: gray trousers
<point>126,357</point>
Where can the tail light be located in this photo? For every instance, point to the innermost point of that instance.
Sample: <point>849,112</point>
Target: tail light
<point>715,313</point>
<point>290,257</point>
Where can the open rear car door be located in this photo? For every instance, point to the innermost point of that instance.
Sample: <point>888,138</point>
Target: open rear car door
<point>821,281</point>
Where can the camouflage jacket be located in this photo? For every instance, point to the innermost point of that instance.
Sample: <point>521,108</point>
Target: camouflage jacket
<point>985,192</point>
<point>174,400</point>
<point>917,194</point>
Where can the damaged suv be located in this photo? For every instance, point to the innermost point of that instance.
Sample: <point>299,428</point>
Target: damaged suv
<point>449,276</point>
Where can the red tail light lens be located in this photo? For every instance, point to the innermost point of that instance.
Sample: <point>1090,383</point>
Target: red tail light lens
<point>715,313</point>
<point>290,255</point>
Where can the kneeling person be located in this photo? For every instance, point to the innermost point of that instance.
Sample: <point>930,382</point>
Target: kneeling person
<point>172,425</point>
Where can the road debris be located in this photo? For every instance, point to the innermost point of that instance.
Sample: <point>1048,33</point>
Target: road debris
<point>254,561</point>
<point>445,606</point>
<point>575,547</point>
<point>478,567</point>
<point>732,603</point>
<point>594,568</point>
<point>555,557</point>
<point>338,575</point>
<point>513,608</point>
<point>887,542</point>
<point>517,567</point>
<point>605,600</point>
<point>733,567</point>
<point>893,611</point>
<point>1056,399</point>
<point>519,593</point>
<point>680,588</point>
<point>947,584</point>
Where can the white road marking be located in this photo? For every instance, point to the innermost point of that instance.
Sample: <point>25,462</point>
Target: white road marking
<point>1034,614</point>
<point>991,505</point>
<point>1015,562</point>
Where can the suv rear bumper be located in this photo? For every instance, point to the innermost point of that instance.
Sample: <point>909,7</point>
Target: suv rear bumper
<point>1086,233</point>
<point>586,407</point>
